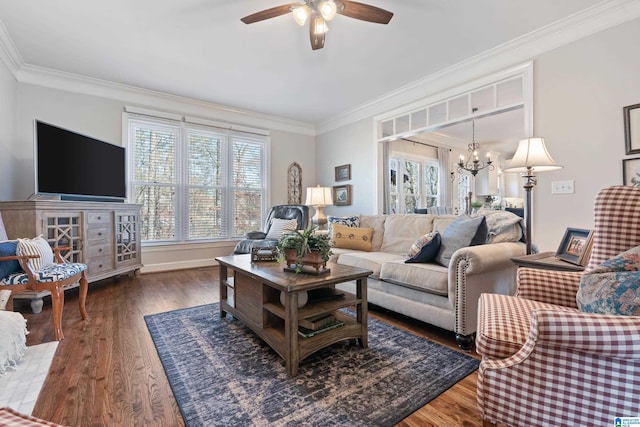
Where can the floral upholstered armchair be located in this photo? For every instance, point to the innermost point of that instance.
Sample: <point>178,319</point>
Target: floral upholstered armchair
<point>565,350</point>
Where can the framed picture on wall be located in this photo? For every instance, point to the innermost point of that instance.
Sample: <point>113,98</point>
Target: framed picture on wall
<point>631,172</point>
<point>575,246</point>
<point>343,173</point>
<point>342,195</point>
<point>632,128</point>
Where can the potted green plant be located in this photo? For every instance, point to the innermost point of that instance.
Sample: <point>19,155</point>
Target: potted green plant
<point>304,247</point>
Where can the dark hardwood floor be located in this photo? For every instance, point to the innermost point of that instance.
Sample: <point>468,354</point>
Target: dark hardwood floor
<point>106,371</point>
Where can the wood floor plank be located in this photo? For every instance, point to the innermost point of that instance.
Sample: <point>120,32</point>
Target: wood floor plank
<point>106,371</point>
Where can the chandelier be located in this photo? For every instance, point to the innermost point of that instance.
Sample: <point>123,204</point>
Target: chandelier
<point>474,164</point>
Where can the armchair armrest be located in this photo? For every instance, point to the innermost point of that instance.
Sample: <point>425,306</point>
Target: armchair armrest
<point>553,287</point>
<point>599,335</point>
<point>256,235</point>
<point>58,256</point>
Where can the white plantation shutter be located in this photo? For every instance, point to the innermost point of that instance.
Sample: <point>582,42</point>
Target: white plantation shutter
<point>155,181</point>
<point>247,185</point>
<point>196,182</point>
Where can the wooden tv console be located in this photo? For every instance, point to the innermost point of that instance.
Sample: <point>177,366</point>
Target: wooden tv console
<point>103,235</point>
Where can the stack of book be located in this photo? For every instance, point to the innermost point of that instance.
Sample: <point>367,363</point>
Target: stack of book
<point>316,325</point>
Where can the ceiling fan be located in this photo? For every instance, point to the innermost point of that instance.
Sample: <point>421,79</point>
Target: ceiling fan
<point>319,12</point>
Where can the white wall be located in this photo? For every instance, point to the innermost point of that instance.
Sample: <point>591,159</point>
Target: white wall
<point>352,144</point>
<point>8,97</point>
<point>579,92</point>
<point>102,118</point>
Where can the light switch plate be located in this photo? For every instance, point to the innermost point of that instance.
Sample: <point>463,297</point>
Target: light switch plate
<point>562,187</point>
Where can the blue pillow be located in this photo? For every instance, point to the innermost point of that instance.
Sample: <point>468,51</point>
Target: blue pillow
<point>8,267</point>
<point>428,251</point>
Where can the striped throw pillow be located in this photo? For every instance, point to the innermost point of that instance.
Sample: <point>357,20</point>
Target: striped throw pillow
<point>37,246</point>
<point>280,227</point>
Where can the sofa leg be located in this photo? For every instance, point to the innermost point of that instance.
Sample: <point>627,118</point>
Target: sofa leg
<point>465,342</point>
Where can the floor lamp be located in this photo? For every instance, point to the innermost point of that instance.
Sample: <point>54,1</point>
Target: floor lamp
<point>531,156</point>
<point>319,197</point>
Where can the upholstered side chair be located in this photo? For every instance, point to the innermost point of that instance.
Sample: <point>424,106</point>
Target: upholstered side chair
<point>544,361</point>
<point>20,273</point>
<point>262,238</point>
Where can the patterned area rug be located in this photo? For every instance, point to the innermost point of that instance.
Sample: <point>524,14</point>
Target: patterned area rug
<point>222,374</point>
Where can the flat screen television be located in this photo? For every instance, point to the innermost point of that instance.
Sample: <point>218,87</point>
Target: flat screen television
<point>77,167</point>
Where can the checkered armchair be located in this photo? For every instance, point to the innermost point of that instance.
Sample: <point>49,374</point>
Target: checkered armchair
<point>546,363</point>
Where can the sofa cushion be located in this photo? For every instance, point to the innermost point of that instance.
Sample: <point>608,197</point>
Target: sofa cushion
<point>432,278</point>
<point>377,223</point>
<point>368,260</point>
<point>349,221</point>
<point>441,222</point>
<point>400,231</point>
<point>462,232</point>
<point>351,237</point>
<point>613,287</point>
<point>424,249</point>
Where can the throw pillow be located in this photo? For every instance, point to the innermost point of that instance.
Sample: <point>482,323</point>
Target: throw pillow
<point>281,226</point>
<point>8,248</point>
<point>613,287</point>
<point>349,221</point>
<point>352,237</point>
<point>462,232</point>
<point>37,246</point>
<point>425,248</point>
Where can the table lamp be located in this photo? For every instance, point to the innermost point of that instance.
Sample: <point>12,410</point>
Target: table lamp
<point>319,197</point>
<point>531,156</point>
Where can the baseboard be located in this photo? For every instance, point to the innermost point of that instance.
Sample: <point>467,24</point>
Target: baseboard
<point>180,265</point>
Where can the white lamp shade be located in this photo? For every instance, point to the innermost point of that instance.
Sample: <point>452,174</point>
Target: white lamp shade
<point>319,196</point>
<point>531,153</point>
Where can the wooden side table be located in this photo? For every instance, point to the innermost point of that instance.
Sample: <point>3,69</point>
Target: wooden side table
<point>545,261</point>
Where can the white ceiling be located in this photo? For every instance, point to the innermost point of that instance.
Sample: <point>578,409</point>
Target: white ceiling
<point>200,49</point>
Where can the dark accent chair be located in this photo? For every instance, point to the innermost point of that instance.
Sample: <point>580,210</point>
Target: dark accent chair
<point>258,238</point>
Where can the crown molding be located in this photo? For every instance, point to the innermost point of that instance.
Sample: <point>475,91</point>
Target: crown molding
<point>59,80</point>
<point>9,53</point>
<point>592,20</point>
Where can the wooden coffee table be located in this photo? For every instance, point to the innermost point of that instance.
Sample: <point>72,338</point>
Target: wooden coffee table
<point>253,296</point>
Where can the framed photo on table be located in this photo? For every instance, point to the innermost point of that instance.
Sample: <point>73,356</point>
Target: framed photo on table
<point>343,172</point>
<point>632,128</point>
<point>342,195</point>
<point>575,246</point>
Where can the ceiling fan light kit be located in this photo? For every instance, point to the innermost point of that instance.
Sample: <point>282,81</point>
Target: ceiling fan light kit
<point>319,12</point>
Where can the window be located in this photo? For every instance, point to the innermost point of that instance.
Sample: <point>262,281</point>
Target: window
<point>194,182</point>
<point>418,187</point>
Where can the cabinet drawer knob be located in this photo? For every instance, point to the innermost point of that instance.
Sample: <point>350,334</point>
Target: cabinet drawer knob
<point>99,234</point>
<point>100,250</point>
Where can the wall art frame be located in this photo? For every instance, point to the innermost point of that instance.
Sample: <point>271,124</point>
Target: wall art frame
<point>631,115</point>
<point>575,246</point>
<point>343,172</point>
<point>342,195</point>
<point>631,172</point>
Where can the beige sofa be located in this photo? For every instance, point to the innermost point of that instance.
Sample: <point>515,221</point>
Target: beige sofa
<point>445,297</point>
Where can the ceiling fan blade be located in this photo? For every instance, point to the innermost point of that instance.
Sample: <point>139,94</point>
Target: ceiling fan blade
<point>365,12</point>
<point>317,39</point>
<point>268,13</point>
